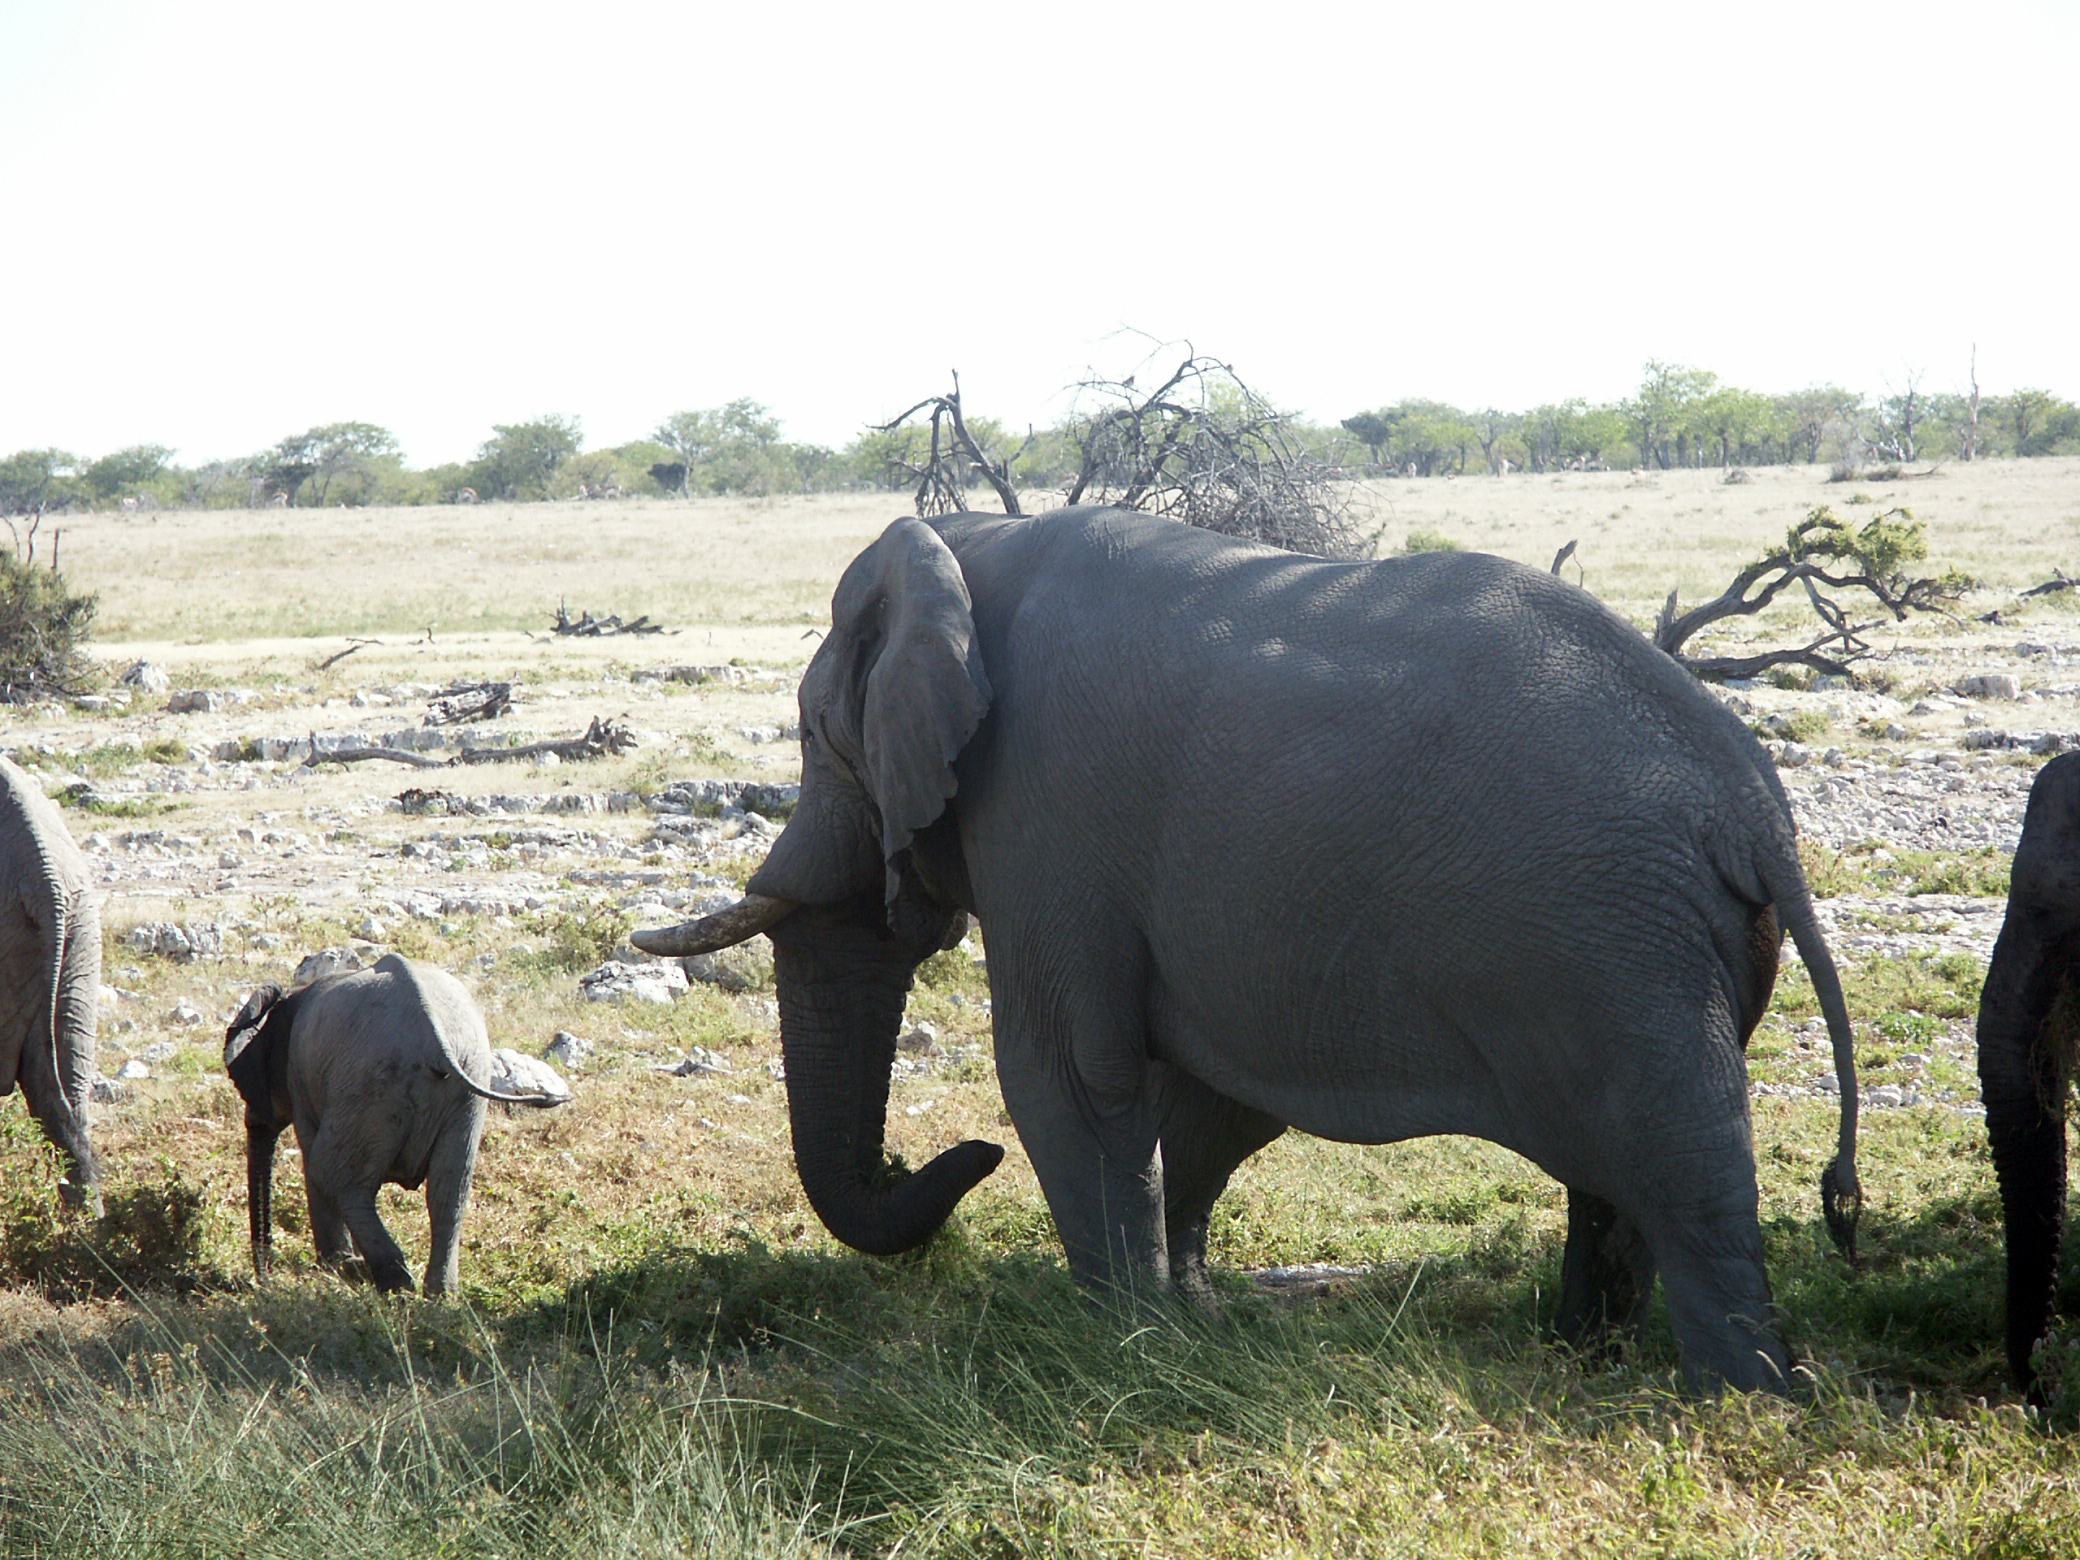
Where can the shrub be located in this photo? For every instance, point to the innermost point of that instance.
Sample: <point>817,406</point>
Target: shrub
<point>1420,541</point>
<point>43,633</point>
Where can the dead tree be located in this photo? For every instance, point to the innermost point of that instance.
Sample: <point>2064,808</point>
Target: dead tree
<point>1204,448</point>
<point>954,454</point>
<point>1820,550</point>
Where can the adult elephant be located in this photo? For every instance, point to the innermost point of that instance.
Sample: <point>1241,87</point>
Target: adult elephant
<point>2029,1039</point>
<point>50,975</point>
<point>1376,849</point>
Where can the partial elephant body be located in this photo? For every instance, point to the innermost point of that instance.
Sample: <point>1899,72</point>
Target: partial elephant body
<point>1378,850</point>
<point>50,973</point>
<point>2029,1041</point>
<point>383,1073</point>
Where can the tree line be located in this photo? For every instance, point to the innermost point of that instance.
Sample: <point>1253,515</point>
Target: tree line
<point>1679,416</point>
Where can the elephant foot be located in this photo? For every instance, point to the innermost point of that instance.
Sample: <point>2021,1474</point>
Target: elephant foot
<point>80,1200</point>
<point>391,1278</point>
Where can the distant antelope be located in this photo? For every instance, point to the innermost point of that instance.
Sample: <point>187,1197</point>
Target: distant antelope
<point>279,501</point>
<point>466,496</point>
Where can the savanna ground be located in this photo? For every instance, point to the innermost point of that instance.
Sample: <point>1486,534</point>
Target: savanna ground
<point>657,1350</point>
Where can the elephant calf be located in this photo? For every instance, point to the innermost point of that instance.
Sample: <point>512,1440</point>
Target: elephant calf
<point>382,1073</point>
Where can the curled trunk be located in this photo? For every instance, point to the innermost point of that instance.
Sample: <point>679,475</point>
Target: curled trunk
<point>839,1015</point>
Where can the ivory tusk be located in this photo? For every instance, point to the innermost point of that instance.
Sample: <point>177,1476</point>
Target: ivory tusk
<point>724,929</point>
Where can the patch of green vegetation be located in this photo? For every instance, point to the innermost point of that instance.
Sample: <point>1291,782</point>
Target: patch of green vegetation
<point>1425,541</point>
<point>1940,986</point>
<point>108,760</point>
<point>1859,870</point>
<point>165,750</point>
<point>1797,726</point>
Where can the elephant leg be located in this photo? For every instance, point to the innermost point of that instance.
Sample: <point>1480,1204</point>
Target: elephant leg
<point>1204,1135</point>
<point>447,1200</point>
<point>328,1227</point>
<point>1606,1274</point>
<point>385,1259</point>
<point>58,1101</point>
<point>1092,1142</point>
<point>1697,1207</point>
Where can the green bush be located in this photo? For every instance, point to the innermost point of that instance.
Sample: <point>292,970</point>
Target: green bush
<point>43,633</point>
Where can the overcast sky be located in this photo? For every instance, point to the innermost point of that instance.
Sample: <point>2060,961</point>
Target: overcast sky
<point>225,222</point>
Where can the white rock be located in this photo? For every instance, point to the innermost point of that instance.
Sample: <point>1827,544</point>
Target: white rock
<point>568,1050</point>
<point>661,983</point>
<point>106,1091</point>
<point>132,1069</point>
<point>160,1052</point>
<point>327,961</point>
<point>147,678</point>
<point>512,1073</point>
<point>186,1014</point>
<point>1991,685</point>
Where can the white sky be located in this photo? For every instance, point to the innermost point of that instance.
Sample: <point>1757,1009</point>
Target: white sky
<point>225,222</point>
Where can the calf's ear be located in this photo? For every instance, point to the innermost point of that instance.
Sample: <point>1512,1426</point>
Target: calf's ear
<point>251,1042</point>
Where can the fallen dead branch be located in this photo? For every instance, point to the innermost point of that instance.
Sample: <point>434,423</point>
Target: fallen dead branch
<point>352,646</point>
<point>602,739</point>
<point>2051,587</point>
<point>461,702</point>
<point>589,627</point>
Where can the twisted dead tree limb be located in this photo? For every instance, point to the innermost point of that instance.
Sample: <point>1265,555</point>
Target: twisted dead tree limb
<point>1820,550</point>
<point>955,452</point>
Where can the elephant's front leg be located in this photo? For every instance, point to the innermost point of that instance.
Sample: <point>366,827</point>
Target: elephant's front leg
<point>1606,1274</point>
<point>1092,1141</point>
<point>1205,1136</point>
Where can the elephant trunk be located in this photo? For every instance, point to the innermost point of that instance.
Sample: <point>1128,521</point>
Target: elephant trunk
<point>2027,1016</point>
<point>838,1038</point>
<point>260,1142</point>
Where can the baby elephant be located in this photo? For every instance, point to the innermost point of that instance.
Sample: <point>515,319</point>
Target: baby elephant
<point>382,1072</point>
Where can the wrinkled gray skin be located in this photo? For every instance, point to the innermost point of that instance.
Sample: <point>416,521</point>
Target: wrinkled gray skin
<point>1435,845</point>
<point>50,975</point>
<point>382,1072</point>
<point>2029,1025</point>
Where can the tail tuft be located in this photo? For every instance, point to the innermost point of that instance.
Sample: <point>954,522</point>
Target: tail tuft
<point>1843,1206</point>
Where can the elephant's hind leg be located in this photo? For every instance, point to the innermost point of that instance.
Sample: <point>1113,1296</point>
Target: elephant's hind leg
<point>1205,1136</point>
<point>447,1200</point>
<point>1606,1274</point>
<point>385,1259</point>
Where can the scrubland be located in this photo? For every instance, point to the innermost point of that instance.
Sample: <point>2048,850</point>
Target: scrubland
<point>657,1350</point>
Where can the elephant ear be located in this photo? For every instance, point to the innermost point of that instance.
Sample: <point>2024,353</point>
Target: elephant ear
<point>910,683</point>
<point>256,1050</point>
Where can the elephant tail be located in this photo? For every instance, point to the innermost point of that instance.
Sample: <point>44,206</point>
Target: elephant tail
<point>1841,1194</point>
<point>537,1099</point>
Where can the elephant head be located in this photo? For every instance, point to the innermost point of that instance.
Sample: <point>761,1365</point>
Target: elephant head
<point>2029,1032</point>
<point>893,694</point>
<point>256,1055</point>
